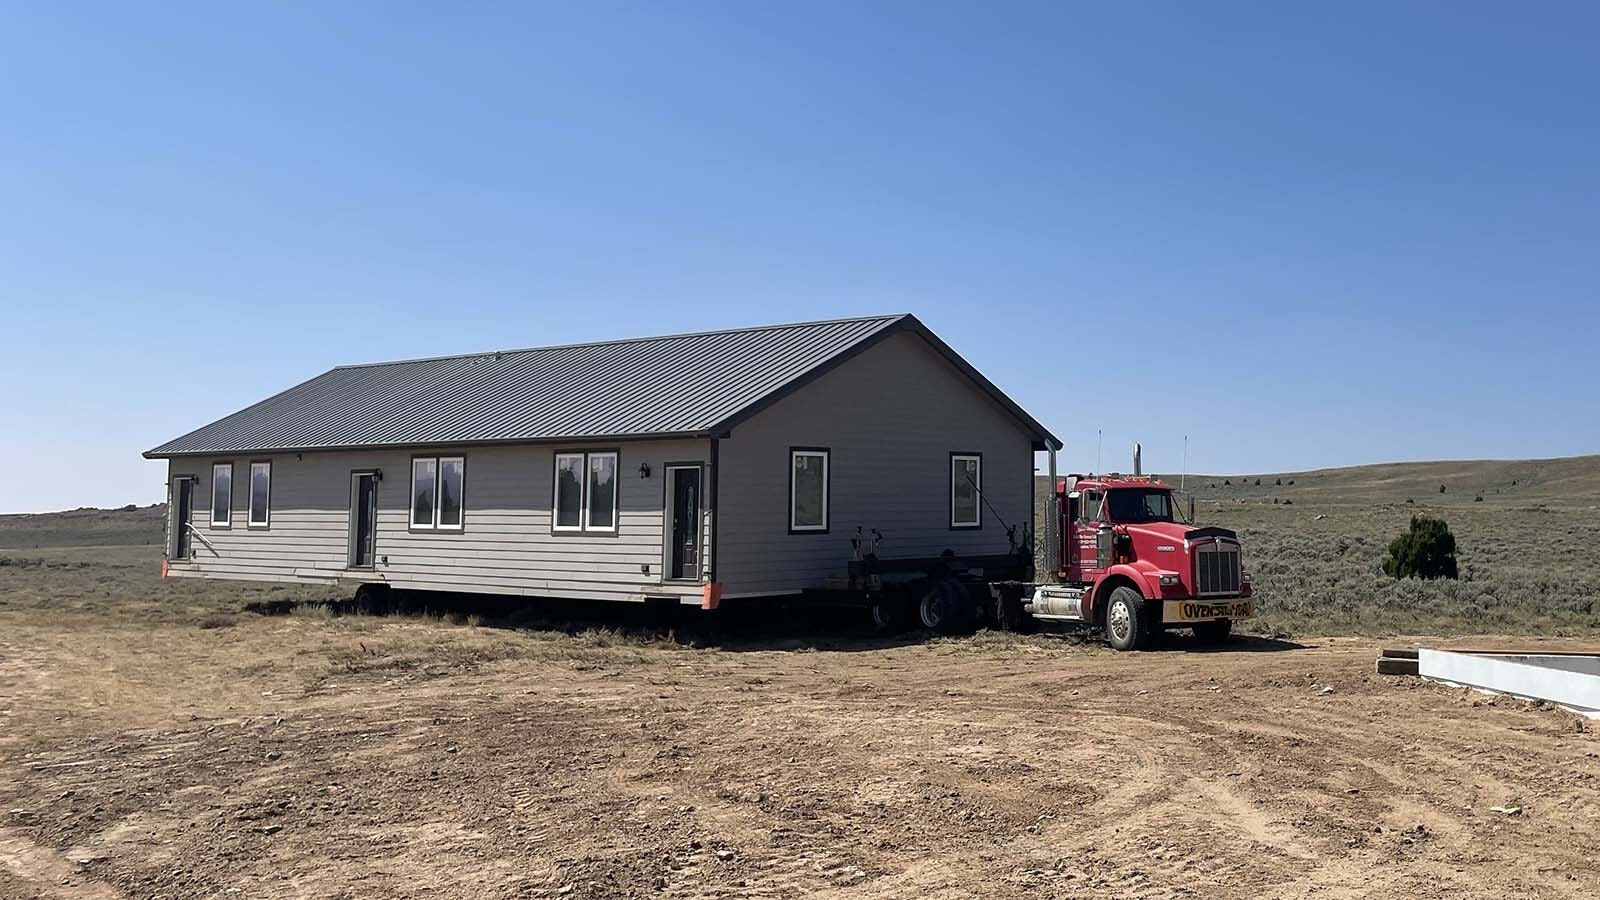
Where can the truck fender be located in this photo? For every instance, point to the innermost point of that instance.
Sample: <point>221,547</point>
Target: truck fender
<point>1147,583</point>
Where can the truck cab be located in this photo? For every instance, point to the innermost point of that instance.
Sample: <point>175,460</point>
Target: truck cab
<point>1130,563</point>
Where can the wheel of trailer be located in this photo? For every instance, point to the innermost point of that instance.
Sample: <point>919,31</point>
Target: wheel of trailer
<point>372,599</point>
<point>1216,631</point>
<point>944,608</point>
<point>1007,610</point>
<point>892,612</point>
<point>1127,626</point>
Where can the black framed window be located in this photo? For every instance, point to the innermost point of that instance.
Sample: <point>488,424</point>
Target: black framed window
<point>808,489</point>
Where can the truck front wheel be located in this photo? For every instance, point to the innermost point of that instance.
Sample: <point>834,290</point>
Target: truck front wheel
<point>1127,624</point>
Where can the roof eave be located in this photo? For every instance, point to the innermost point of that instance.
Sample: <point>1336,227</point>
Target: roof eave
<point>159,453</point>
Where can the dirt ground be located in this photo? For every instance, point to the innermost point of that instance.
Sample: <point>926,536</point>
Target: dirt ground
<point>360,757</point>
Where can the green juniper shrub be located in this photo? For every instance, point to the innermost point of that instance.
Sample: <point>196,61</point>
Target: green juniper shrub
<point>1426,550</point>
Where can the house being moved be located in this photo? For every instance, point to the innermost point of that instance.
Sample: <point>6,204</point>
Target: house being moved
<point>691,467</point>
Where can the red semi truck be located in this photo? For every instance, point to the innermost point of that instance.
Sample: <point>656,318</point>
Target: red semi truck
<point>1131,565</point>
<point>1119,557</point>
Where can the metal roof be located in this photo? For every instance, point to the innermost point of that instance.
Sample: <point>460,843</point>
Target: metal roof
<point>681,385</point>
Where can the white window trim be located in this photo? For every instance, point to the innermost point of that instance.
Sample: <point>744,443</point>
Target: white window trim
<point>436,521</point>
<point>585,458</point>
<point>411,499</point>
<point>228,521</point>
<point>977,506</point>
<point>616,491</point>
<point>826,464</point>
<point>250,504</point>
<point>438,494</point>
<point>555,491</point>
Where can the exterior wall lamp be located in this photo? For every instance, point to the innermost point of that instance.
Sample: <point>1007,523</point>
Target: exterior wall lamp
<point>644,470</point>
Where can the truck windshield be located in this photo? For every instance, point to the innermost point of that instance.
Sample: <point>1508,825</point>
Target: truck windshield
<point>1140,506</point>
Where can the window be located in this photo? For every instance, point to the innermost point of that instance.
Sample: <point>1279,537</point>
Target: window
<point>1140,506</point>
<point>422,474</point>
<point>602,509</point>
<point>808,489</point>
<point>437,492</point>
<point>966,490</point>
<point>1089,506</point>
<point>586,492</point>
<point>222,495</point>
<point>569,492</point>
<point>452,480</point>
<point>260,494</point>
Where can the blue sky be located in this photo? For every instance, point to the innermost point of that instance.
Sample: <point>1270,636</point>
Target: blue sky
<point>1304,237</point>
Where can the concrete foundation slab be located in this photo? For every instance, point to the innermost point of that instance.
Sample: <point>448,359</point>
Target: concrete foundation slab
<point>1571,680</point>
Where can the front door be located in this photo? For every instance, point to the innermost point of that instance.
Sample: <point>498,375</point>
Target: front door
<point>363,518</point>
<point>182,519</point>
<point>683,497</point>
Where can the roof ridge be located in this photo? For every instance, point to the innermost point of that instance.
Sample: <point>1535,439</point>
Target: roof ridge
<point>887,318</point>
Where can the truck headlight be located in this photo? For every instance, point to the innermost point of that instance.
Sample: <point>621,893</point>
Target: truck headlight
<point>1169,581</point>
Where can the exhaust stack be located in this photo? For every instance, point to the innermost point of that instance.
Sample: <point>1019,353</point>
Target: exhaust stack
<point>1138,459</point>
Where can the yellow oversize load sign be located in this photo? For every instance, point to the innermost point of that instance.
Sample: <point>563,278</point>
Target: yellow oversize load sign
<point>1200,610</point>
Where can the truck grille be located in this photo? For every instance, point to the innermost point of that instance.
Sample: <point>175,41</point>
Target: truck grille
<point>1216,568</point>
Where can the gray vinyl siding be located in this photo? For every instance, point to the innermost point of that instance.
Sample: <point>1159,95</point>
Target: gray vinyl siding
<point>505,545</point>
<point>890,417</point>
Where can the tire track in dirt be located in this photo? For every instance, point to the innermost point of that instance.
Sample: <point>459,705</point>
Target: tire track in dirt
<point>952,769</point>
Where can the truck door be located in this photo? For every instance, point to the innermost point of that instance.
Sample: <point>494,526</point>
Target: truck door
<point>1083,556</point>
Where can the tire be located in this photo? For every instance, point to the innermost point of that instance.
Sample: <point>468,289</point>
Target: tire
<point>373,599</point>
<point>1217,631</point>
<point>1127,625</point>
<point>892,613</point>
<point>1007,611</point>
<point>945,608</point>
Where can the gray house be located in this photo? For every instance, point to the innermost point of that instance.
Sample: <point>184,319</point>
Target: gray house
<point>689,467</point>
